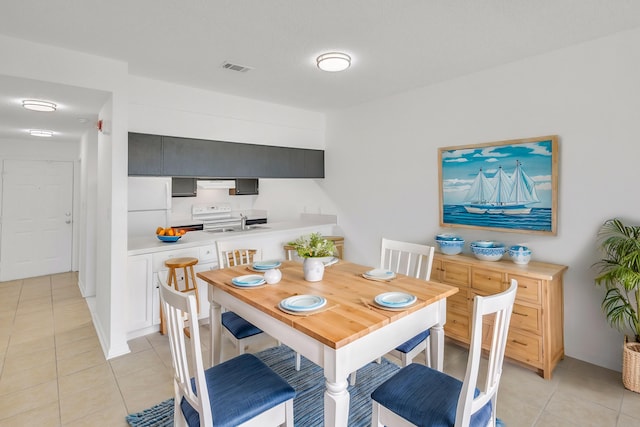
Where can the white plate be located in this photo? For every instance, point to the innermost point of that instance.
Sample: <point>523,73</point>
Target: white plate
<point>395,299</point>
<point>380,273</point>
<point>303,303</point>
<point>248,280</point>
<point>266,265</point>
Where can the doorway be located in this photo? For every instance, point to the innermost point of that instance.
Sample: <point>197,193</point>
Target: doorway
<point>37,218</point>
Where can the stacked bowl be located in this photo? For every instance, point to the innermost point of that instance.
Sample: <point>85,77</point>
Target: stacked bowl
<point>450,244</point>
<point>520,254</point>
<point>487,250</point>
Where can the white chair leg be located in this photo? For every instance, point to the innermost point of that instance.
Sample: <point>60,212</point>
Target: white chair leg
<point>375,415</point>
<point>288,408</point>
<point>297,361</point>
<point>379,360</point>
<point>427,351</point>
<point>352,378</point>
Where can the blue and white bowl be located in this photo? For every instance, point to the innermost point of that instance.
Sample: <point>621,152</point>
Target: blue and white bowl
<point>484,243</point>
<point>493,253</point>
<point>450,247</point>
<point>448,237</point>
<point>520,254</point>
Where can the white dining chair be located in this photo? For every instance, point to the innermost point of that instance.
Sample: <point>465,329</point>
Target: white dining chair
<point>239,331</point>
<point>415,260</point>
<point>241,391</point>
<point>419,395</point>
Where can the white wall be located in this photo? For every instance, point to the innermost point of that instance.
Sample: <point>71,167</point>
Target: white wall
<point>382,168</point>
<point>168,109</point>
<point>62,66</point>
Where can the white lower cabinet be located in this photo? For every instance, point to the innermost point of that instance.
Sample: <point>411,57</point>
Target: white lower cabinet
<point>140,286</point>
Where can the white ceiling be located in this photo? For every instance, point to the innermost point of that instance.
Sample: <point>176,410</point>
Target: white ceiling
<point>396,45</point>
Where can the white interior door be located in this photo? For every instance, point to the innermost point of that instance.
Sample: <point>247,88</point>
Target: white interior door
<point>37,218</point>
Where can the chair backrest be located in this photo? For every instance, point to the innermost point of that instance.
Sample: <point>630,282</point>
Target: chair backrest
<point>499,308</point>
<point>232,253</point>
<point>406,258</point>
<point>186,352</point>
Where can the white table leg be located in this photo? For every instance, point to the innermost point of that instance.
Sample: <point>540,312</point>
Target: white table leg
<point>215,318</point>
<point>336,404</point>
<point>437,347</point>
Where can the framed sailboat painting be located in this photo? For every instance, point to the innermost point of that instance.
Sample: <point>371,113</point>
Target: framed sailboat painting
<point>503,186</point>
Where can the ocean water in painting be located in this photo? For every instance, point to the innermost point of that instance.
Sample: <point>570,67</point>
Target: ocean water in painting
<point>539,219</point>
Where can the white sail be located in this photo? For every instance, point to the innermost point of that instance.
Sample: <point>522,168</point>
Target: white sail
<point>502,194</point>
<point>481,189</point>
<point>524,188</point>
<point>502,187</point>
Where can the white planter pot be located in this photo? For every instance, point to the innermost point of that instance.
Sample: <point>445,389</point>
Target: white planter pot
<point>313,269</point>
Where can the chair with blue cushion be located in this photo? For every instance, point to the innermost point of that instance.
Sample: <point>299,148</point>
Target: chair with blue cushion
<point>241,332</point>
<point>415,260</point>
<point>421,396</point>
<point>242,391</point>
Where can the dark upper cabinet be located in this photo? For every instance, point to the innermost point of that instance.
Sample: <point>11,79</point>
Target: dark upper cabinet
<point>188,157</point>
<point>145,154</point>
<point>314,163</point>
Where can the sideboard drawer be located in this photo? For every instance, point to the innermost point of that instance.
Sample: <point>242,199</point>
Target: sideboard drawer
<point>523,346</point>
<point>528,288</point>
<point>487,281</point>
<point>525,317</point>
<point>457,326</point>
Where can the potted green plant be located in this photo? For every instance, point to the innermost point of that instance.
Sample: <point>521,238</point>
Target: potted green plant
<point>314,249</point>
<point>619,273</point>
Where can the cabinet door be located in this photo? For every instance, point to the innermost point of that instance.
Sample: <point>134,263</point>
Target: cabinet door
<point>140,288</point>
<point>191,157</point>
<point>314,163</point>
<point>145,154</point>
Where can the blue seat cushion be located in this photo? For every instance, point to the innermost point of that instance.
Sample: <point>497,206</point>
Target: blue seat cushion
<point>407,346</point>
<point>239,389</point>
<point>426,397</point>
<point>238,327</point>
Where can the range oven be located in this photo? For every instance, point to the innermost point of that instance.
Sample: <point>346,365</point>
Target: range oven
<point>220,217</point>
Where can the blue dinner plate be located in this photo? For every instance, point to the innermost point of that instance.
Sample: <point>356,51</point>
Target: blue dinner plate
<point>303,303</point>
<point>395,299</point>
<point>248,280</point>
<point>266,265</point>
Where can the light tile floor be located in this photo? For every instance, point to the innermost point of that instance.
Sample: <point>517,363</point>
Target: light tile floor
<point>53,372</point>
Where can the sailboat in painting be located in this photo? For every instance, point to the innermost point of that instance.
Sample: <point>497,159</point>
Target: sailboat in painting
<point>502,194</point>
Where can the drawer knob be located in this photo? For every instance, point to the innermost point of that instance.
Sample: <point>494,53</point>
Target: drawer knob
<point>521,314</point>
<point>519,342</point>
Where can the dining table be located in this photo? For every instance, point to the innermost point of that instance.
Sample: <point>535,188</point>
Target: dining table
<point>351,328</point>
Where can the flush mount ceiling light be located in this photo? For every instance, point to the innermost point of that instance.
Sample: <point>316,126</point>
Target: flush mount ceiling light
<point>333,61</point>
<point>38,105</point>
<point>40,132</point>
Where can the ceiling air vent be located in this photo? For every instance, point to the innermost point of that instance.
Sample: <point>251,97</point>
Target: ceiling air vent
<point>235,67</point>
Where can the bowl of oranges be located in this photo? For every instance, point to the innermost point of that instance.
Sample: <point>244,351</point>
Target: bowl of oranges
<point>169,235</point>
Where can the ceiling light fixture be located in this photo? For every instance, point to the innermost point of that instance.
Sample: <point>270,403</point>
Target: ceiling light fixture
<point>37,105</point>
<point>333,61</point>
<point>40,132</point>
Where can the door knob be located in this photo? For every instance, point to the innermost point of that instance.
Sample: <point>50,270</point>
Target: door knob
<point>68,221</point>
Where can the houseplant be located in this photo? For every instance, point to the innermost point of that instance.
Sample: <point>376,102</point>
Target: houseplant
<point>313,248</point>
<point>619,273</point>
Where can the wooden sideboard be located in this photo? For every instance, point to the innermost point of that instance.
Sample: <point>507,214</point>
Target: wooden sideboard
<point>536,333</point>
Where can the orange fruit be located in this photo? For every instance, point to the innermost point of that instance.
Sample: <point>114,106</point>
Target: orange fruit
<point>161,232</point>
<point>159,229</point>
<point>170,232</point>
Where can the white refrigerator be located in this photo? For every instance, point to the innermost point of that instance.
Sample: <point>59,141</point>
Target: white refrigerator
<point>149,205</point>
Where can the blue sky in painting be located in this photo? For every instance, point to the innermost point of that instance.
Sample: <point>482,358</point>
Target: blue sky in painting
<point>460,167</point>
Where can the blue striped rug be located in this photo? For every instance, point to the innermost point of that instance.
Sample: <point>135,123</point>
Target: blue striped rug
<point>308,406</point>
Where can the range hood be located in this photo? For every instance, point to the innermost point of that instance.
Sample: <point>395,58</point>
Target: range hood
<point>216,184</point>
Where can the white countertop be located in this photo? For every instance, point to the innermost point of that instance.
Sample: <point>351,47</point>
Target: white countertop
<point>151,244</point>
